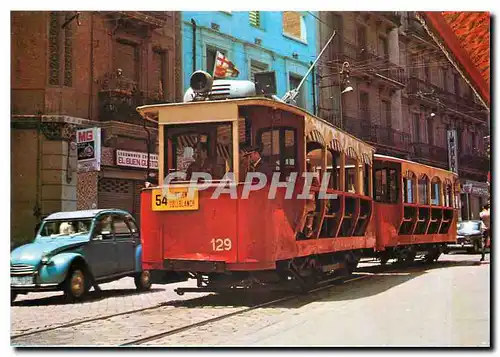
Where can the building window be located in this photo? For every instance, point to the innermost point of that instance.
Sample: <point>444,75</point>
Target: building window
<point>444,74</point>
<point>416,127</point>
<point>383,48</point>
<point>427,70</point>
<point>256,67</point>
<point>294,83</point>
<point>60,49</point>
<point>160,74</point>
<point>211,53</point>
<point>126,58</point>
<point>294,25</point>
<point>254,17</point>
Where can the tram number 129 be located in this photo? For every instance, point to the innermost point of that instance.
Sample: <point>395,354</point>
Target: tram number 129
<point>220,245</point>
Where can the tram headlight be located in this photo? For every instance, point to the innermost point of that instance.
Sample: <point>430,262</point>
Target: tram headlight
<point>201,82</point>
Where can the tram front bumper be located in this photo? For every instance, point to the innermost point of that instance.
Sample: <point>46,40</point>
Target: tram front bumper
<point>195,266</point>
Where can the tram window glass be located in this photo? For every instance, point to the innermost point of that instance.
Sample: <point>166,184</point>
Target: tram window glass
<point>333,167</point>
<point>409,188</point>
<point>350,175</point>
<point>448,194</point>
<point>386,185</point>
<point>423,197</point>
<point>201,148</point>
<point>279,147</point>
<point>365,183</point>
<point>436,191</point>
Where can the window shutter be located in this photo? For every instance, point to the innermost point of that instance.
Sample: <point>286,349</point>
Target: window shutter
<point>254,18</point>
<point>256,67</point>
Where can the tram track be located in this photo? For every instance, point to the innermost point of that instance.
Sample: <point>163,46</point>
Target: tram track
<point>79,322</point>
<point>175,331</point>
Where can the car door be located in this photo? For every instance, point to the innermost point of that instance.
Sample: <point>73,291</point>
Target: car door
<point>102,252</point>
<point>125,244</point>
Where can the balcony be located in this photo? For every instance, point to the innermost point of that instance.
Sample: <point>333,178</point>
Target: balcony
<point>142,19</point>
<point>435,155</point>
<point>475,161</point>
<point>391,18</point>
<point>387,140</point>
<point>373,67</point>
<point>450,103</point>
<point>119,97</point>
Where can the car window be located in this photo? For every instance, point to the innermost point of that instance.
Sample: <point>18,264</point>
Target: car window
<point>470,226</point>
<point>121,228</point>
<point>132,225</point>
<point>103,228</point>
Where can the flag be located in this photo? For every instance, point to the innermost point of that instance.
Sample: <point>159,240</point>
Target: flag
<point>223,67</point>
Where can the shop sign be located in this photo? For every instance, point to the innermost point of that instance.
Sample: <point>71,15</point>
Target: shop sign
<point>136,159</point>
<point>88,148</point>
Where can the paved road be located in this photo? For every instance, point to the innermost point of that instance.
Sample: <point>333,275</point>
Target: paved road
<point>446,304</point>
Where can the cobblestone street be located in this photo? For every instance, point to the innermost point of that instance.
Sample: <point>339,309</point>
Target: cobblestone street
<point>36,311</point>
<point>445,304</point>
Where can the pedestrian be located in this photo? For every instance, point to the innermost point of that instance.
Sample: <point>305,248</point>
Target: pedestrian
<point>485,225</point>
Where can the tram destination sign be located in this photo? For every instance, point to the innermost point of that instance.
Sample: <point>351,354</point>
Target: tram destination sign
<point>136,159</point>
<point>88,149</point>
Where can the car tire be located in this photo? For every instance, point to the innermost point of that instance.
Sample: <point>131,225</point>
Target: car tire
<point>76,285</point>
<point>13,296</point>
<point>143,280</point>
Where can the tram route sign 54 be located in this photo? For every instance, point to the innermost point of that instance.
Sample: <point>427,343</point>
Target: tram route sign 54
<point>88,147</point>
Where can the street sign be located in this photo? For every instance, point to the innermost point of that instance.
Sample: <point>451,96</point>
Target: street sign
<point>452,151</point>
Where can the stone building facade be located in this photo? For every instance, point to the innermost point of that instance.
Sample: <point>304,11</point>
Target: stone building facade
<point>406,95</point>
<point>74,70</point>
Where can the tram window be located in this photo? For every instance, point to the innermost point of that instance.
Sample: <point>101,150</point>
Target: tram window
<point>436,191</point>
<point>313,158</point>
<point>386,185</point>
<point>409,188</point>
<point>423,197</point>
<point>279,149</point>
<point>364,169</point>
<point>350,175</point>
<point>333,167</point>
<point>201,148</point>
<point>448,194</point>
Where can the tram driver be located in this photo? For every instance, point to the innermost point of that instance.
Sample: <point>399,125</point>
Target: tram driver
<point>251,161</point>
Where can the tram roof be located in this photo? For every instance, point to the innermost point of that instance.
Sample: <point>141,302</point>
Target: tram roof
<point>151,112</point>
<point>397,159</point>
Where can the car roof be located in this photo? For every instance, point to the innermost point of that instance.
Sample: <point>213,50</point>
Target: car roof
<point>90,213</point>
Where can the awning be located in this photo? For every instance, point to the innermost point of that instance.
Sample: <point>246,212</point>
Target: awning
<point>464,38</point>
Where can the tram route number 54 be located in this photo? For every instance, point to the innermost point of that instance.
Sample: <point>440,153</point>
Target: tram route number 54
<point>220,245</point>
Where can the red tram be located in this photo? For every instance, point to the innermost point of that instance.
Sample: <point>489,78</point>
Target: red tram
<point>242,238</point>
<point>415,209</point>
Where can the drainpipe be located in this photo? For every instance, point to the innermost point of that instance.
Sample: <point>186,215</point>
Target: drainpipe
<point>313,75</point>
<point>194,44</point>
<point>91,80</point>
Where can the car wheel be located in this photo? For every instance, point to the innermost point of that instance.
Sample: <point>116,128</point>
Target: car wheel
<point>13,296</point>
<point>143,280</point>
<point>76,284</point>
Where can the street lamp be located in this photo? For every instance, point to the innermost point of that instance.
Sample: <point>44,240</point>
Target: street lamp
<point>348,88</point>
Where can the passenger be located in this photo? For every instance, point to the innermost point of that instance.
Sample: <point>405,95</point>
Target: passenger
<point>66,228</point>
<point>485,227</point>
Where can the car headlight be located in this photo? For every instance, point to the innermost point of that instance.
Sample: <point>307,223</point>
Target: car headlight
<point>46,260</point>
